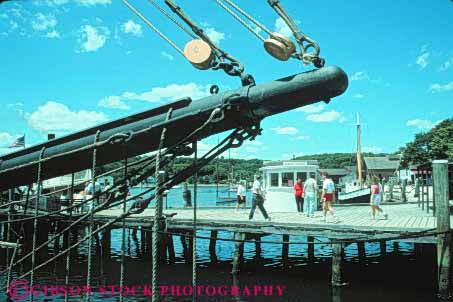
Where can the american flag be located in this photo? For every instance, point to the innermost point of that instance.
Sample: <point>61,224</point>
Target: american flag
<point>19,142</point>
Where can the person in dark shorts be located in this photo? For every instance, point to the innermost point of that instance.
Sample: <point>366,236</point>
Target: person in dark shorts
<point>241,195</point>
<point>327,197</point>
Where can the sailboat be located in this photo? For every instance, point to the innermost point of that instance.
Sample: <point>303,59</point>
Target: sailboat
<point>355,192</point>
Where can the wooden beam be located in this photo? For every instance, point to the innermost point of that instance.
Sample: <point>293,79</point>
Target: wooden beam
<point>9,245</point>
<point>440,177</point>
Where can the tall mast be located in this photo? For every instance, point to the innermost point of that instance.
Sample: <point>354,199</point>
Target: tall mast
<point>359,157</point>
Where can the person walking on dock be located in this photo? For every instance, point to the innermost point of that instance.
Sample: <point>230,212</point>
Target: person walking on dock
<point>310,193</point>
<point>258,199</point>
<point>376,198</point>
<point>241,195</point>
<point>299,194</point>
<point>327,197</point>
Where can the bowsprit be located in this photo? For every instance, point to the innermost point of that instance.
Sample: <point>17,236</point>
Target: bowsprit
<point>240,108</point>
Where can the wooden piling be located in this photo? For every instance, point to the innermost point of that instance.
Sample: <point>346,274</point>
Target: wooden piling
<point>311,249</point>
<point>361,251</point>
<point>383,247</point>
<point>396,247</point>
<point>106,242</point>
<point>337,259</point>
<point>423,192</point>
<point>285,249</point>
<point>212,244</point>
<point>440,177</point>
<point>238,250</point>
<point>257,246</point>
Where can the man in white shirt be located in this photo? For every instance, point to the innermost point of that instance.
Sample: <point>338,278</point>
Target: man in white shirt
<point>310,192</point>
<point>258,199</point>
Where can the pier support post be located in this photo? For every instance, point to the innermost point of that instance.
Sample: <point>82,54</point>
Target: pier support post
<point>383,247</point>
<point>257,246</point>
<point>238,251</point>
<point>285,249</point>
<point>106,242</point>
<point>440,176</point>
<point>423,192</point>
<point>311,249</point>
<point>212,244</point>
<point>361,251</point>
<point>396,247</point>
<point>337,259</point>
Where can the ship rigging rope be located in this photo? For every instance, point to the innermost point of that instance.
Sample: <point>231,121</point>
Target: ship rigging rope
<point>123,232</point>
<point>153,27</point>
<point>158,213</point>
<point>228,142</point>
<point>93,202</point>
<point>246,15</point>
<point>35,221</point>
<point>181,176</point>
<point>68,240</point>
<point>160,9</point>
<point>213,116</point>
<point>194,230</point>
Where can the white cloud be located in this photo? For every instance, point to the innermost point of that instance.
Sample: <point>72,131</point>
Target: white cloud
<point>132,28</point>
<point>285,130</point>
<point>303,137</point>
<point>113,102</point>
<point>214,35</point>
<point>92,38</point>
<point>44,22</point>
<point>6,139</point>
<point>327,116</point>
<point>94,2</point>
<point>436,88</point>
<point>281,27</point>
<point>372,149</point>
<point>57,117</point>
<point>53,35</point>
<point>420,124</point>
<point>167,56</point>
<point>358,96</point>
<point>422,60</point>
<point>359,76</point>
<point>170,92</point>
<point>13,25</point>
<point>314,108</point>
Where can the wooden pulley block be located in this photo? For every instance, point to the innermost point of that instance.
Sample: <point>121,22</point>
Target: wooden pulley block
<point>199,54</point>
<point>279,46</point>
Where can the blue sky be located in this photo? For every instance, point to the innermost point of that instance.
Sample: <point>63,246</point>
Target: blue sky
<point>67,65</point>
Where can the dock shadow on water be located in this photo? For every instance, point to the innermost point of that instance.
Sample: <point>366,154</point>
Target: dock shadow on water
<point>268,272</point>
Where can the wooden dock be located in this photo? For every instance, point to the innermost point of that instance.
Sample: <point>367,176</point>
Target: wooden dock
<point>354,221</point>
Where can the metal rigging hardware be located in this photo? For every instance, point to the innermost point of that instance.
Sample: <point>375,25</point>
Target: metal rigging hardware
<point>278,45</point>
<point>201,53</point>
